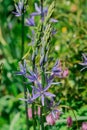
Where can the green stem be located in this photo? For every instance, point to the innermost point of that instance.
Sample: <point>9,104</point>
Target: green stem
<point>25,89</point>
<point>33,106</point>
<point>34,124</point>
<point>41,118</point>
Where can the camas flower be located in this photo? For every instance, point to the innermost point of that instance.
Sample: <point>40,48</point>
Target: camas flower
<point>45,11</point>
<point>84,63</point>
<point>42,92</point>
<point>30,21</point>
<point>57,69</point>
<point>33,77</point>
<point>38,10</point>
<point>29,98</point>
<point>19,8</point>
<point>22,69</point>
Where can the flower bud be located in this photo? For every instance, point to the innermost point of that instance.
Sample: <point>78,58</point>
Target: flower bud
<point>65,73</point>
<point>30,113</point>
<point>69,121</point>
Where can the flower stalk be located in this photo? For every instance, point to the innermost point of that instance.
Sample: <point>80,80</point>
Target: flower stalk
<point>33,106</point>
<point>42,67</point>
<point>22,53</point>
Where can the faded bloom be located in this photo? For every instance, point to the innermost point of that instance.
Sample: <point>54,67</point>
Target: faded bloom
<point>69,121</point>
<point>84,126</point>
<point>30,113</point>
<point>65,73</point>
<point>84,63</point>
<point>56,114</point>
<point>50,120</point>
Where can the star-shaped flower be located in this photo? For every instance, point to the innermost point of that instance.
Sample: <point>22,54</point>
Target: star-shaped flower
<point>42,92</point>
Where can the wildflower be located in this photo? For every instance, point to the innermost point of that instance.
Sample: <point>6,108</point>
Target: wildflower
<point>84,126</point>
<point>50,120</point>
<point>45,11</point>
<point>64,29</point>
<point>57,70</point>
<point>55,111</point>
<point>69,121</point>
<point>32,76</point>
<point>53,31</point>
<point>42,92</point>
<point>22,69</point>
<point>56,114</point>
<point>38,10</point>
<point>30,21</point>
<point>29,98</point>
<point>19,8</point>
<point>84,63</point>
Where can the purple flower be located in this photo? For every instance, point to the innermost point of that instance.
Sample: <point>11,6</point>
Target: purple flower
<point>84,63</point>
<point>30,21</point>
<point>29,98</point>
<point>19,8</point>
<point>22,69</point>
<point>57,70</point>
<point>53,32</point>
<point>54,110</point>
<point>42,92</point>
<point>38,10</point>
<point>45,11</point>
<point>32,76</point>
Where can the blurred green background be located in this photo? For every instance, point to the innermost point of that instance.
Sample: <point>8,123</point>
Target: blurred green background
<point>68,44</point>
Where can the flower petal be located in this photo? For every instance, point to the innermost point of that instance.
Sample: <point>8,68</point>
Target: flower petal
<point>42,100</point>
<point>49,94</point>
<point>35,96</point>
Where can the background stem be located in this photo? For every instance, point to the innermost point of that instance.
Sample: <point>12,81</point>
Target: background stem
<point>25,89</point>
